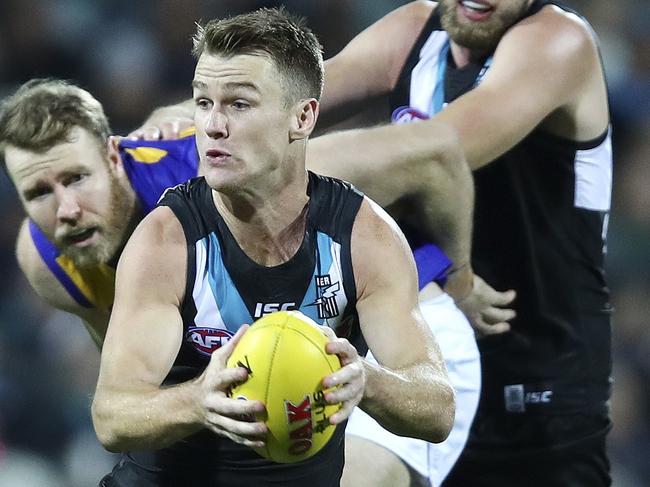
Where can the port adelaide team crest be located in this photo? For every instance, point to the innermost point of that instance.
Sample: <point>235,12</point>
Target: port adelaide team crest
<point>326,301</point>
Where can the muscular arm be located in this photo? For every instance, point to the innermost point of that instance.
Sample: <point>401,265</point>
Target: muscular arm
<point>546,70</point>
<point>422,167</point>
<point>370,64</point>
<point>408,393</point>
<point>560,87</point>
<point>50,289</point>
<point>131,409</point>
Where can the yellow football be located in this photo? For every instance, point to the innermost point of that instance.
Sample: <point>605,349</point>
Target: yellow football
<point>284,353</point>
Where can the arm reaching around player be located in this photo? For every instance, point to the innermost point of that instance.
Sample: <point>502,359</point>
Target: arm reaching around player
<point>132,409</point>
<point>408,393</point>
<point>166,123</point>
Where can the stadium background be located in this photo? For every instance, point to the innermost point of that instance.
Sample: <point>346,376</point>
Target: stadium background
<point>134,55</point>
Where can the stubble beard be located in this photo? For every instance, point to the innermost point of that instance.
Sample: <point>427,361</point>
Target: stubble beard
<point>479,36</point>
<point>113,233</point>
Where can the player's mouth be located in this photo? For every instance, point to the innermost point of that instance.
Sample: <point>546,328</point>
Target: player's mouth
<point>82,237</point>
<point>475,10</point>
<point>216,157</point>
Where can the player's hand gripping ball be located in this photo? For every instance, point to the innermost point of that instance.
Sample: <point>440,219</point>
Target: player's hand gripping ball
<point>284,353</point>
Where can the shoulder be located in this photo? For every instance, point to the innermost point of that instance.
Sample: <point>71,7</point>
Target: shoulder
<point>401,27</point>
<point>552,35</point>
<point>159,228</point>
<point>414,13</point>
<point>156,247</point>
<point>154,262</point>
<point>378,54</point>
<point>380,252</point>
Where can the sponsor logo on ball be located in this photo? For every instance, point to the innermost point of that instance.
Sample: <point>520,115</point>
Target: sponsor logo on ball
<point>299,421</point>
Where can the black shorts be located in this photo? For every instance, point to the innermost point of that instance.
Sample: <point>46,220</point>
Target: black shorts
<point>128,473</point>
<point>532,451</point>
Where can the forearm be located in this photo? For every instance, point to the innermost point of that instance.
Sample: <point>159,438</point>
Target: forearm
<point>419,163</point>
<point>145,419</point>
<point>416,401</point>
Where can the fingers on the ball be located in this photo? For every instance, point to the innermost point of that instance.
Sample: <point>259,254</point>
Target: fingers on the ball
<point>336,379</point>
<point>234,407</point>
<point>343,348</point>
<point>345,375</point>
<point>222,354</point>
<point>240,423</point>
<point>232,343</point>
<point>343,413</point>
<point>255,441</point>
<point>223,378</point>
<point>328,332</point>
<point>350,392</point>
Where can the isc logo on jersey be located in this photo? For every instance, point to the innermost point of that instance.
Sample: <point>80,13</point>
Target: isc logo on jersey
<point>207,340</point>
<point>262,309</point>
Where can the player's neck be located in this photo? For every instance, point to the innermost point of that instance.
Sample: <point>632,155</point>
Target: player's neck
<point>463,55</point>
<point>134,215</point>
<point>268,228</point>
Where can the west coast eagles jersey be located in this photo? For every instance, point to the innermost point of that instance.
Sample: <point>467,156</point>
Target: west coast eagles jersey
<point>152,167</point>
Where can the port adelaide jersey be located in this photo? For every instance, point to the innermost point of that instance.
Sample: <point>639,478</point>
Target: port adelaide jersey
<point>540,224</point>
<point>226,289</point>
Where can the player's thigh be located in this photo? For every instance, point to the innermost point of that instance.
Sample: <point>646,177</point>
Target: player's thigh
<point>368,464</point>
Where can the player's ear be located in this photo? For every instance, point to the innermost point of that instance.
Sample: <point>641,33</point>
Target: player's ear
<point>113,150</point>
<point>304,119</point>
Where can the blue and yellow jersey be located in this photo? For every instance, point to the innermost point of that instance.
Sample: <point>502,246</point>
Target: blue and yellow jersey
<point>152,167</point>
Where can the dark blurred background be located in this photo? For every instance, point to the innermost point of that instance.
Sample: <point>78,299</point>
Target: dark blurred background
<point>134,56</point>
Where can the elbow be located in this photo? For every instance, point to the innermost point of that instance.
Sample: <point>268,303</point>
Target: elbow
<point>104,428</point>
<point>442,162</point>
<point>448,153</point>
<point>443,423</point>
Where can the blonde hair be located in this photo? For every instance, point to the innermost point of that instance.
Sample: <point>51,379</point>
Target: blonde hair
<point>43,112</point>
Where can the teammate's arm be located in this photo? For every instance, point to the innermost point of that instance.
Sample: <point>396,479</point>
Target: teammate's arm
<point>396,165</point>
<point>50,289</point>
<point>408,393</point>
<point>166,122</point>
<point>543,71</point>
<point>131,408</point>
<point>370,64</point>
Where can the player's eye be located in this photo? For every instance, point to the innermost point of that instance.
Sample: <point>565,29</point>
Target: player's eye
<point>36,193</point>
<point>240,105</point>
<point>202,103</point>
<point>74,178</point>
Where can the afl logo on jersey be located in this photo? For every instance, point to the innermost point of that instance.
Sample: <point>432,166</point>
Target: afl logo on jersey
<point>407,114</point>
<point>207,340</point>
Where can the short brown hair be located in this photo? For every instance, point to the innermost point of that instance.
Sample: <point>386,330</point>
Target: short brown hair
<point>275,33</point>
<point>43,112</point>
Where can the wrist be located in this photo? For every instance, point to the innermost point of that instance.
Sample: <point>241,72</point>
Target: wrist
<point>460,282</point>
